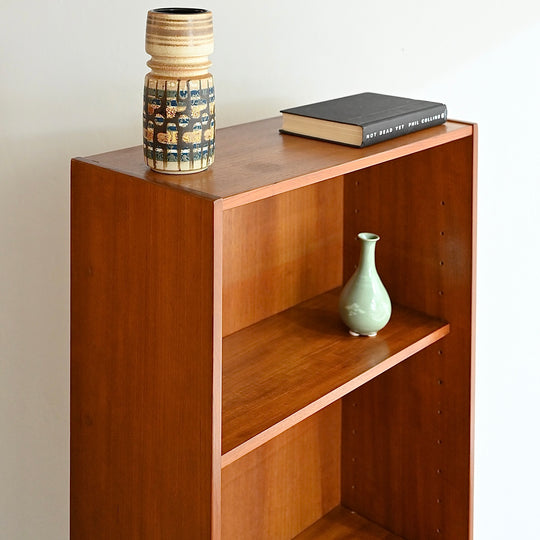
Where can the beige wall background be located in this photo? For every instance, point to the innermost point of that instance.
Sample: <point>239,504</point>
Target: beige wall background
<point>71,78</point>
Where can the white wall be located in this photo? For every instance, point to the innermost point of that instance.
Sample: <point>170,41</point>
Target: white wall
<point>70,84</point>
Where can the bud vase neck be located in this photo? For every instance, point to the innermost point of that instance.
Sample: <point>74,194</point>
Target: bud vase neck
<point>366,262</point>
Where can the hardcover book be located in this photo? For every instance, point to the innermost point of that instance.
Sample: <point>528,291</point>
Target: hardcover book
<point>362,119</point>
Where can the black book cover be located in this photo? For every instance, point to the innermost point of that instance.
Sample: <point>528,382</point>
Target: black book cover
<point>380,116</point>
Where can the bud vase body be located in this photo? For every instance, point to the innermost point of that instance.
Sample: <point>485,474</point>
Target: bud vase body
<point>179,100</point>
<point>364,304</point>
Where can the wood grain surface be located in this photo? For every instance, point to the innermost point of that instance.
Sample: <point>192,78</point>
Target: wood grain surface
<point>280,251</point>
<point>144,420</point>
<point>344,524</point>
<point>281,370</point>
<point>282,487</point>
<point>254,161</point>
<point>416,418</point>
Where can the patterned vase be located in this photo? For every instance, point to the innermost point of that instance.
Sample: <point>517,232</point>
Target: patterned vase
<point>364,304</point>
<point>178,116</point>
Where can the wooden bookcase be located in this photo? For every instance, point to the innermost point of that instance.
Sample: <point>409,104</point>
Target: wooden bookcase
<point>215,393</point>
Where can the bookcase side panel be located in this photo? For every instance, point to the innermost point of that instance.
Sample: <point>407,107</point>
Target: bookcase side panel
<point>282,487</point>
<point>280,251</point>
<point>143,426</point>
<point>409,431</point>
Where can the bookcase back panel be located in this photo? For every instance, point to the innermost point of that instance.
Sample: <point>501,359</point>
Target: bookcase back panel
<point>415,480</point>
<point>280,251</point>
<point>422,208</point>
<point>282,487</point>
<point>391,453</point>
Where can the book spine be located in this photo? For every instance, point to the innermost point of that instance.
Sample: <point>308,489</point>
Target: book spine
<point>391,128</point>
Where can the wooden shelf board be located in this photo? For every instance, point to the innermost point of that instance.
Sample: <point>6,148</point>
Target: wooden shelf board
<point>283,369</point>
<point>254,161</point>
<point>344,524</point>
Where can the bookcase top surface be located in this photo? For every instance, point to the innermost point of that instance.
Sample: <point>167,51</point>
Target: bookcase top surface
<point>254,161</point>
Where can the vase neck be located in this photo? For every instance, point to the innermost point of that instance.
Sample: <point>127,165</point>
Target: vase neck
<point>167,67</point>
<point>366,262</point>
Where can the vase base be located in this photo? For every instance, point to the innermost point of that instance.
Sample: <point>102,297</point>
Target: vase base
<point>174,172</point>
<point>357,334</point>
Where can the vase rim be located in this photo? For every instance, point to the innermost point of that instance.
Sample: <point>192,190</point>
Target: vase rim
<point>180,11</point>
<point>368,237</point>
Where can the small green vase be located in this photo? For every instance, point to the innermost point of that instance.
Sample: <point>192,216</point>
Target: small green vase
<point>364,304</point>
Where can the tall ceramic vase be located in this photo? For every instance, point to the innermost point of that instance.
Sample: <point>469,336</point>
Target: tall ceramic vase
<point>178,116</point>
<point>364,304</point>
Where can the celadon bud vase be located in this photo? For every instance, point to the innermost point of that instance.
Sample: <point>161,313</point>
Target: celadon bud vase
<point>178,114</point>
<point>364,304</point>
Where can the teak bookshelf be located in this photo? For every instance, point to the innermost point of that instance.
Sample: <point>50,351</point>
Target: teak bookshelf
<point>214,392</point>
